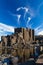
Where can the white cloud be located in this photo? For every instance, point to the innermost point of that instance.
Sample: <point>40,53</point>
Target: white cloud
<point>25,8</point>
<point>18,17</point>
<point>40,33</point>
<point>39,27</point>
<point>5,29</point>
<point>15,15</point>
<point>29,18</point>
<point>29,11</point>
<point>39,30</point>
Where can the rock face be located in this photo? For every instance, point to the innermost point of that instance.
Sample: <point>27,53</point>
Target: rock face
<point>18,44</point>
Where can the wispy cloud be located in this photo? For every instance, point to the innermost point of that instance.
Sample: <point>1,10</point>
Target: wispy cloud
<point>15,15</point>
<point>28,15</point>
<point>38,9</point>
<point>5,29</point>
<point>40,33</point>
<point>18,18</point>
<point>39,30</point>
<point>27,25</point>
<point>25,8</point>
<point>29,11</point>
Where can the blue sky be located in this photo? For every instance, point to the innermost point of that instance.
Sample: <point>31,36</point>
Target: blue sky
<point>21,13</point>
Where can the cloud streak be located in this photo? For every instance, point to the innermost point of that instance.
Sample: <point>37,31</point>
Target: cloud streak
<point>41,4</point>
<point>5,29</point>
<point>40,33</point>
<point>39,30</point>
<point>29,18</point>
<point>15,15</point>
<point>25,8</point>
<point>28,15</point>
<point>29,11</point>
